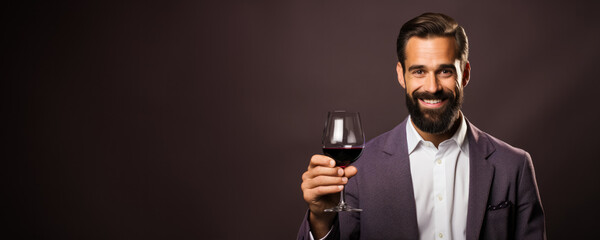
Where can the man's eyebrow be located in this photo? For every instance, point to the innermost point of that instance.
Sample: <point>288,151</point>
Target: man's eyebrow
<point>445,66</point>
<point>414,67</point>
<point>441,66</point>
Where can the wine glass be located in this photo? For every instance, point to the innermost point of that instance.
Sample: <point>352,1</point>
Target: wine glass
<point>343,140</point>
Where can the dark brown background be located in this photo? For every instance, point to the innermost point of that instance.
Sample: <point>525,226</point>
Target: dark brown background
<point>187,119</point>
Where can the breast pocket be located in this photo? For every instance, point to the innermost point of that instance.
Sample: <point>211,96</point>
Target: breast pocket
<point>498,222</point>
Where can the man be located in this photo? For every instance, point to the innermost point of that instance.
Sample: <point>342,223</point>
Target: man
<point>435,175</point>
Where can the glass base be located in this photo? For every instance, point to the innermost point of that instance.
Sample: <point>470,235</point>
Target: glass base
<point>343,208</point>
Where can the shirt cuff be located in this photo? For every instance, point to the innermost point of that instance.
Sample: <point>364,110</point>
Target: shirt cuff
<point>323,238</point>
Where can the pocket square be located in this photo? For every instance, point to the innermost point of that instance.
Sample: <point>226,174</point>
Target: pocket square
<point>501,205</point>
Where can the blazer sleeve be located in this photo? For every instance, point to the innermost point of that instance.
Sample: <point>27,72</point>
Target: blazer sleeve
<point>530,222</point>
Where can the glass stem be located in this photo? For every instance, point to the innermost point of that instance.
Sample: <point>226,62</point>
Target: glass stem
<point>342,197</point>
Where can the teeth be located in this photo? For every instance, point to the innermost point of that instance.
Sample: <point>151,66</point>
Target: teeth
<point>432,101</point>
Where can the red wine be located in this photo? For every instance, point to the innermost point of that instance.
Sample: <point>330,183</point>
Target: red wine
<point>343,156</point>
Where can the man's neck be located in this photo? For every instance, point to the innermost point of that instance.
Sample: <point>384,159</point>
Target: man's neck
<point>436,139</point>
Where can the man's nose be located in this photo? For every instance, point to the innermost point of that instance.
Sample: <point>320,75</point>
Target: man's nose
<point>432,84</point>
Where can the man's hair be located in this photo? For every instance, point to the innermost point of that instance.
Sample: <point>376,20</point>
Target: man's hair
<point>433,25</point>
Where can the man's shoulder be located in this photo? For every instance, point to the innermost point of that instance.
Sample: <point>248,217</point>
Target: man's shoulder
<point>501,149</point>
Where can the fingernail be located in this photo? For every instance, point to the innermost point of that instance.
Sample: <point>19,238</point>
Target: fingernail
<point>340,187</point>
<point>332,163</point>
<point>340,172</point>
<point>344,179</point>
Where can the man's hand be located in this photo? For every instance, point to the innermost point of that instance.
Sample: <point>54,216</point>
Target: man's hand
<point>321,185</point>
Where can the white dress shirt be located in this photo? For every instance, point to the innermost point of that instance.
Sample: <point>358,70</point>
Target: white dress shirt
<point>440,179</point>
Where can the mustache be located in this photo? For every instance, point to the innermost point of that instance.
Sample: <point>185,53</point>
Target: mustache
<point>436,95</point>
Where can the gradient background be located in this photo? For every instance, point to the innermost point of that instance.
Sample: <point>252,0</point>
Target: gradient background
<point>190,119</point>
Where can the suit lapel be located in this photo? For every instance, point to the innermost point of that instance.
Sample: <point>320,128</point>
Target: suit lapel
<point>404,201</point>
<point>480,179</point>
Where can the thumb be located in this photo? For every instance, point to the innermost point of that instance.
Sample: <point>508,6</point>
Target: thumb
<point>350,171</point>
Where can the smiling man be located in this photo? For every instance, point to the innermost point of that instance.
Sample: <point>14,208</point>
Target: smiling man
<point>434,81</point>
<point>435,175</point>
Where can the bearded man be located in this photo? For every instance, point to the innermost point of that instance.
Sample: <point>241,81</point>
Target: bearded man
<point>435,175</point>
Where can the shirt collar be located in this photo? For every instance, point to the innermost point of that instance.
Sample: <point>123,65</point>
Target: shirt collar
<point>412,136</point>
<point>460,136</point>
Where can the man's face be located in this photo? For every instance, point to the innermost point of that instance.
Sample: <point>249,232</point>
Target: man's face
<point>434,82</point>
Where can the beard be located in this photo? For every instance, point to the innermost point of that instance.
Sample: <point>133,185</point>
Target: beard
<point>435,121</point>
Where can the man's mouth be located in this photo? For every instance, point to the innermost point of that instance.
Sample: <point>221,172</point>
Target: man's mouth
<point>432,103</point>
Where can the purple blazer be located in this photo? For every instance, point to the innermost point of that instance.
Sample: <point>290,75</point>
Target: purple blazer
<point>504,202</point>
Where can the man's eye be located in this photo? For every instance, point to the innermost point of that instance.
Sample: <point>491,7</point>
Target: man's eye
<point>418,72</point>
<point>446,72</point>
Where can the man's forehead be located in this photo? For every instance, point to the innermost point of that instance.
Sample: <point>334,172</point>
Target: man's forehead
<point>431,47</point>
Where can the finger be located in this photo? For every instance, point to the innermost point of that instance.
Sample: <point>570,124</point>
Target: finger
<point>323,190</point>
<point>324,181</point>
<point>320,160</point>
<point>350,171</point>
<point>326,171</point>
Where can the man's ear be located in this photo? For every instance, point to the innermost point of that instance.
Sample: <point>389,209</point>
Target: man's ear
<point>466,74</point>
<point>400,73</point>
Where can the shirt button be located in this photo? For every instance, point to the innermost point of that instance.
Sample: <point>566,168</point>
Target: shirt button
<point>441,235</point>
<point>439,196</point>
<point>439,162</point>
